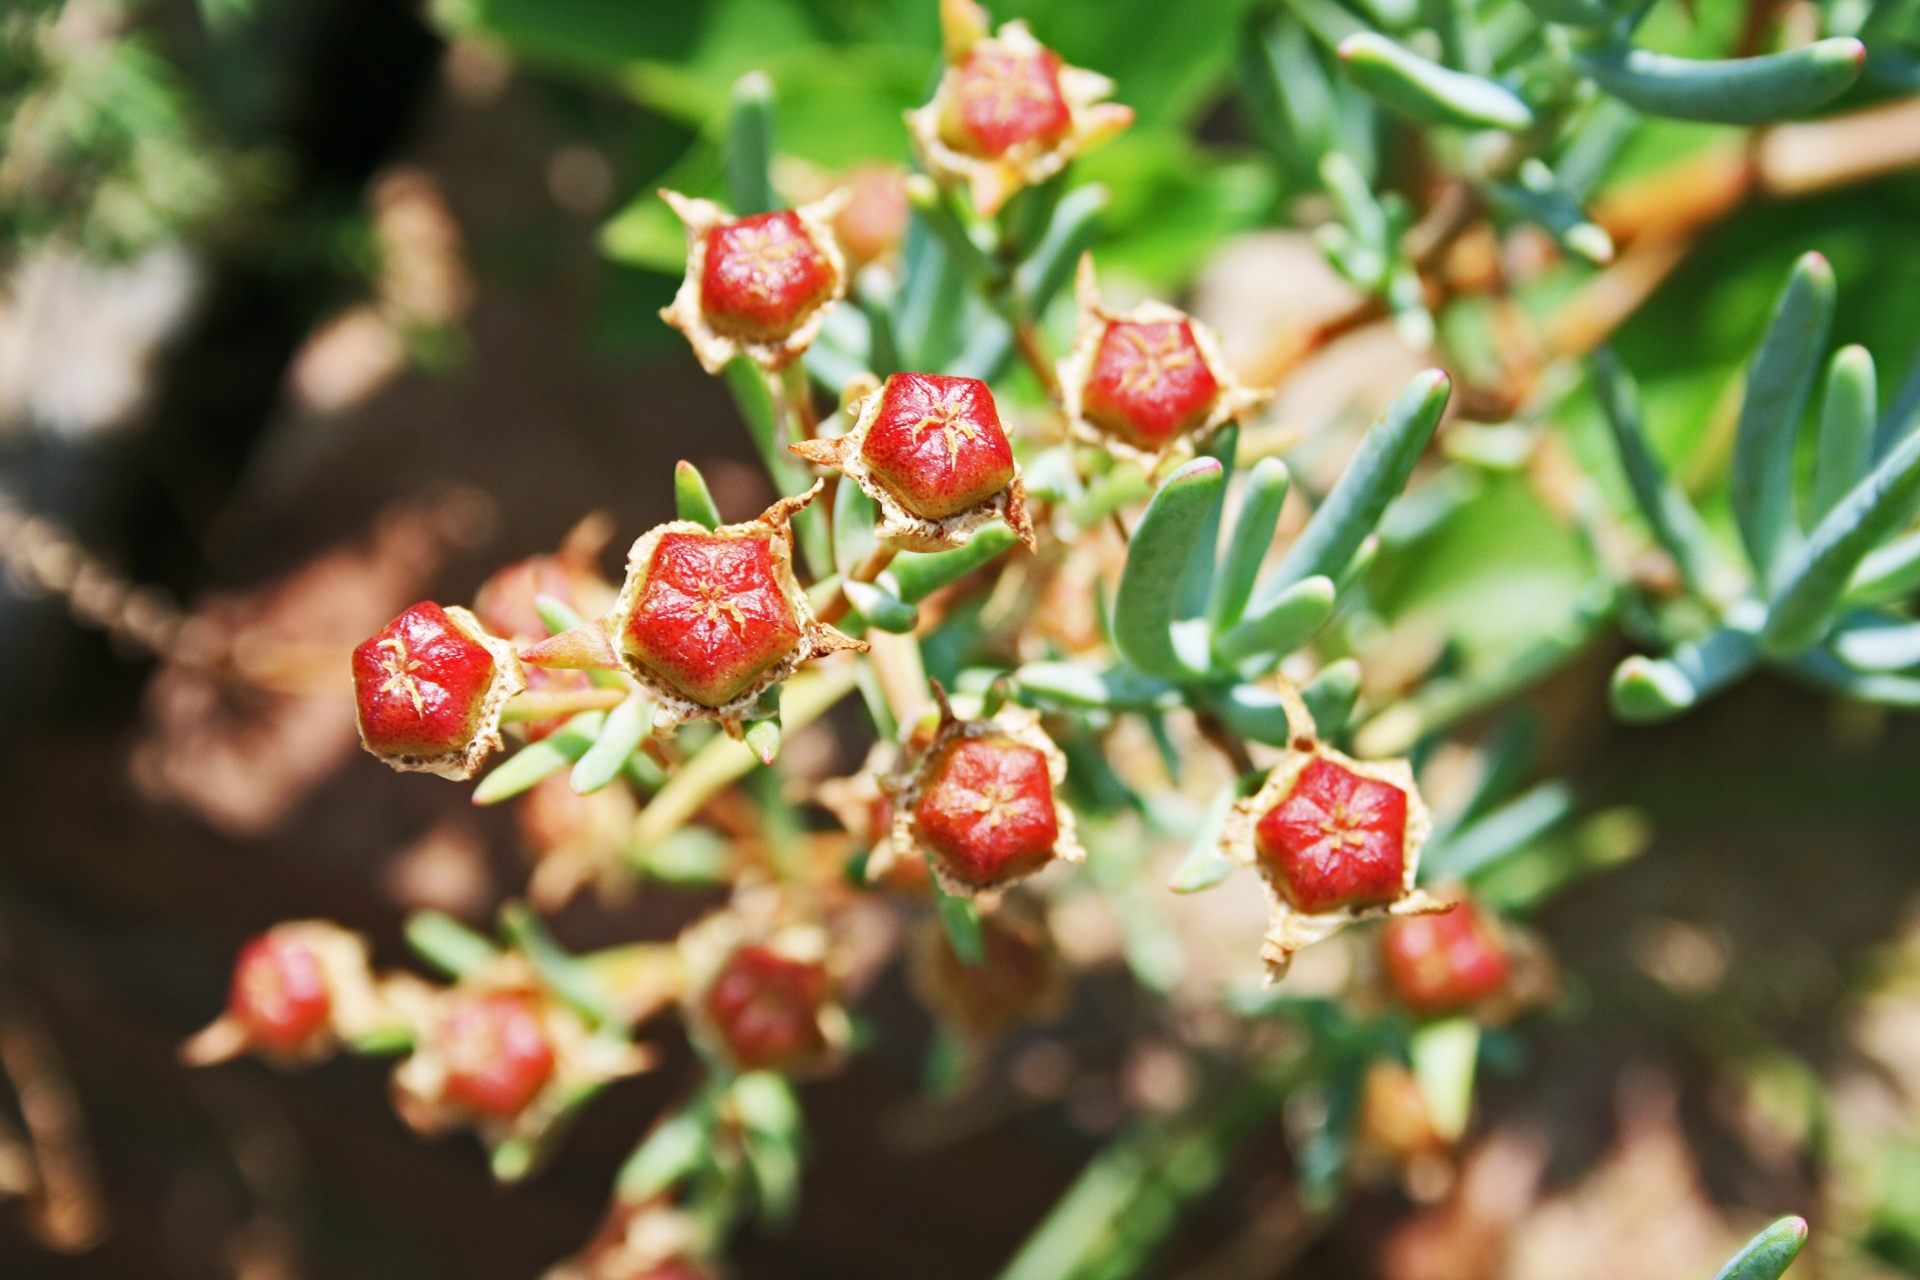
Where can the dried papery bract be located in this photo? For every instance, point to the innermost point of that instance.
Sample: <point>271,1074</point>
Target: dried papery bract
<point>429,689</point>
<point>931,452</point>
<point>709,619</point>
<point>500,1054</point>
<point>759,286</point>
<point>1335,840</point>
<point>1146,381</point>
<point>982,804</point>
<point>762,991</point>
<point>300,991</point>
<point>1008,113</point>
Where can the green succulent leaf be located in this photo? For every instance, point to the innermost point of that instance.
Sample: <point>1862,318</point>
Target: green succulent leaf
<point>1650,689</point>
<point>1266,494</point>
<point>1539,197</point>
<point>562,972</point>
<point>1378,472</point>
<point>854,514</point>
<point>1161,546</point>
<point>1815,583</point>
<point>748,155</point>
<point>1075,684</point>
<point>961,920</point>
<point>881,608</point>
<point>1205,865</point>
<point>677,1147</point>
<point>625,726</point>
<point>1576,13</point>
<point>448,945</point>
<point>1779,383</point>
<point>1675,525</point>
<point>914,575</point>
<point>692,500</point>
<point>1257,713</point>
<point>1427,91</point>
<point>1508,829</point>
<point>1075,225</point>
<point>1196,580</point>
<point>1882,648</point>
<point>1732,91</point>
<point>1281,625</point>
<point>1331,695</point>
<point>1847,415</point>
<point>1768,1255</point>
<point>1890,572</point>
<point>538,761</point>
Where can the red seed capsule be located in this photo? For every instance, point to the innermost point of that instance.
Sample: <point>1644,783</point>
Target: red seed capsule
<point>708,619</point>
<point>986,811</point>
<point>1445,962</point>
<point>765,1008</point>
<point>764,275</point>
<point>1004,98</point>
<point>1008,113</point>
<point>429,687</point>
<point>1150,383</point>
<point>931,453</point>
<point>712,617</point>
<point>279,995</point>
<point>936,443</point>
<point>1338,840</point>
<point>1143,380</point>
<point>497,1052</point>
<point>759,285</point>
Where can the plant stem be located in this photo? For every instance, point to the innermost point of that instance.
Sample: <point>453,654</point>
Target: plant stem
<point>866,571</point>
<point>797,393</point>
<point>1033,349</point>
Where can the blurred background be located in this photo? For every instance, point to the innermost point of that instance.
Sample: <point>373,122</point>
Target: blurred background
<point>313,308</point>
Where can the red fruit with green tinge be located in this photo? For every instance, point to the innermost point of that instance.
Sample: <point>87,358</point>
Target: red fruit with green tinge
<point>1443,963</point>
<point>937,445</point>
<point>279,993</point>
<point>764,276</point>
<point>497,1052</point>
<point>1150,382</point>
<point>765,1007</point>
<point>712,617</point>
<point>1338,840</point>
<point>1002,100</point>
<point>986,811</point>
<point>421,685</point>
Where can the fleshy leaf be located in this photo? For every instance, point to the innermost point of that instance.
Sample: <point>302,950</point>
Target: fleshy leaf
<point>1730,91</point>
<point>1817,580</point>
<point>1378,472</point>
<point>1768,1255</point>
<point>913,575</point>
<point>1075,684</point>
<point>748,155</point>
<point>1281,625</point>
<point>538,761</point>
<point>1675,525</point>
<point>1246,549</point>
<point>881,608</point>
<point>1424,90</point>
<point>1508,829</point>
<point>1846,429</point>
<point>1330,696</point>
<point>1205,865</point>
<point>691,498</point>
<point>1158,552</point>
<point>1649,689</point>
<point>1779,383</point>
<point>623,730</point>
<point>1076,221</point>
<point>448,945</point>
<point>961,920</point>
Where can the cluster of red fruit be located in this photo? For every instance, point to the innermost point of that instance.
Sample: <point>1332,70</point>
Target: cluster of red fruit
<point>709,619</point>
